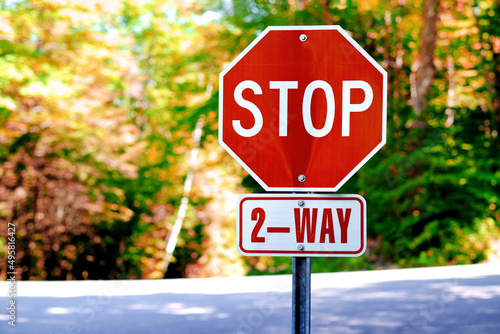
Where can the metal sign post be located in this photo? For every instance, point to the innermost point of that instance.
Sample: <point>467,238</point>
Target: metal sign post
<point>301,295</point>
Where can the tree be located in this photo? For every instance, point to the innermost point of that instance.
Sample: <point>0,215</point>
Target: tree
<point>435,181</point>
<point>96,113</point>
<point>99,100</point>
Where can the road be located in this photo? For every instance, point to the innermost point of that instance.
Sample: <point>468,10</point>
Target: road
<point>456,299</point>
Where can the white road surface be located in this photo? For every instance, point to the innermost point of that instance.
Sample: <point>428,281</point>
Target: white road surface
<point>455,299</point>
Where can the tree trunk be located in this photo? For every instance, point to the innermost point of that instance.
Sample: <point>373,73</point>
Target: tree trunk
<point>424,65</point>
<point>173,234</point>
<point>328,15</point>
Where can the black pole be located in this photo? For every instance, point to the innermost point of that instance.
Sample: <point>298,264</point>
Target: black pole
<point>301,295</point>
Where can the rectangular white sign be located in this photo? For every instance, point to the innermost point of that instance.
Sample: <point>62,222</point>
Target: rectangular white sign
<point>301,225</point>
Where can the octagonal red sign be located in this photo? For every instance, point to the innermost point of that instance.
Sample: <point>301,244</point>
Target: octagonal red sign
<point>302,108</point>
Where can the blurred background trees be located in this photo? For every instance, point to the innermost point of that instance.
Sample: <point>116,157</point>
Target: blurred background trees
<point>99,99</point>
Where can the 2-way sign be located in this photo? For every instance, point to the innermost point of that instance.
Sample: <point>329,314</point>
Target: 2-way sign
<point>301,225</point>
<point>302,108</point>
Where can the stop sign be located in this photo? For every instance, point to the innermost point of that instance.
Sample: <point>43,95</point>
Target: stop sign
<point>303,108</point>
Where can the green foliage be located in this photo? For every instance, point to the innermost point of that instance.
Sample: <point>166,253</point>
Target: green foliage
<point>432,191</point>
<point>98,101</point>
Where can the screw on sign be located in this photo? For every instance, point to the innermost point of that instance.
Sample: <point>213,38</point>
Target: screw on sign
<point>303,108</point>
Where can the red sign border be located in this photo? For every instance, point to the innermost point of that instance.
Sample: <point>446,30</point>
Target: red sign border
<point>305,197</point>
<point>305,28</point>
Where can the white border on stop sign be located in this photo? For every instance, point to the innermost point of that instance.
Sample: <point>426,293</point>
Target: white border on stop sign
<point>294,28</point>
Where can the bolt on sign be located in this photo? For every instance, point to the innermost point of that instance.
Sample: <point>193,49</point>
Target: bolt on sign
<point>302,108</point>
<point>301,225</point>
